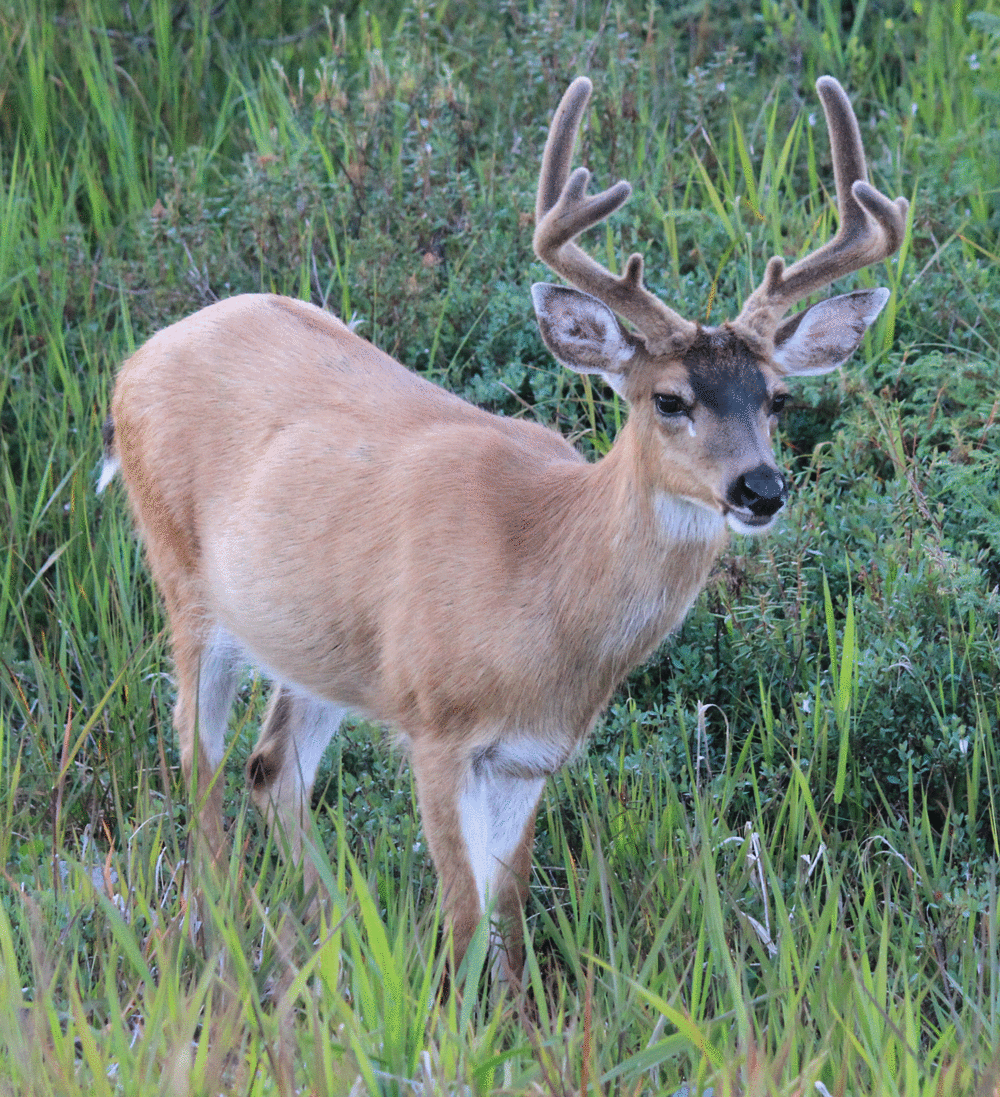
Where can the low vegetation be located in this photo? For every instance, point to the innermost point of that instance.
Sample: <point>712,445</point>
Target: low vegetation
<point>775,870</point>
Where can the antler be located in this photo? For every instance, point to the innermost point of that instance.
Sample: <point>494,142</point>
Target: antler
<point>563,211</point>
<point>871,226</point>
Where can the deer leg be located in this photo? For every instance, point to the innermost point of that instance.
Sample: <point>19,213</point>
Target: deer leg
<point>283,765</point>
<point>207,671</point>
<point>512,880</point>
<point>479,821</point>
<point>498,821</point>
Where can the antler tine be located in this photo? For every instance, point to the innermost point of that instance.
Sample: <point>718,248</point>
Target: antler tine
<point>563,211</point>
<point>871,226</point>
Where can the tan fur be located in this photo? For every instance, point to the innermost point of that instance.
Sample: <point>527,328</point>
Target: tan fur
<point>378,545</point>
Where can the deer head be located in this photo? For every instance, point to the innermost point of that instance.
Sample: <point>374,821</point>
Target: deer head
<point>711,393</point>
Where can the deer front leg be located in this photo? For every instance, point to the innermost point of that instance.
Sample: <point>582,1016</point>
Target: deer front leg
<point>480,823</point>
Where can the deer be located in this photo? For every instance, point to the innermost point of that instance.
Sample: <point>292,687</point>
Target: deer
<point>376,545</point>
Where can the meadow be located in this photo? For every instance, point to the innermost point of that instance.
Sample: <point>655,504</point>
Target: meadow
<point>775,869</point>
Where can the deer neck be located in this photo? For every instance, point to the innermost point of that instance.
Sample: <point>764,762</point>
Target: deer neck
<point>641,555</point>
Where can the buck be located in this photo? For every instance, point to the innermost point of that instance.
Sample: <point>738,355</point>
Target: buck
<point>377,545</point>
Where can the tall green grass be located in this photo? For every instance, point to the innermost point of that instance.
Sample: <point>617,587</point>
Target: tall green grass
<point>775,870</point>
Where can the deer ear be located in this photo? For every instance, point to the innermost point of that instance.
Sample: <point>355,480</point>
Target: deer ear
<point>826,334</point>
<point>583,333</point>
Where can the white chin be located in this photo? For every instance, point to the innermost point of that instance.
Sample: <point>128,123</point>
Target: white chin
<point>749,526</point>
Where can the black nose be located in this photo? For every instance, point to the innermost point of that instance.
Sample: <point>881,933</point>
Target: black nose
<point>762,491</point>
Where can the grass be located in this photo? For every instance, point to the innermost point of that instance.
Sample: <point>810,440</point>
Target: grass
<point>775,872</point>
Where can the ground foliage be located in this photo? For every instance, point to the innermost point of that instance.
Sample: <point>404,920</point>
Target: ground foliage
<point>810,763</point>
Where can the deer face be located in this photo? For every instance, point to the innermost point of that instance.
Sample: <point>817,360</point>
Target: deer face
<point>706,407</point>
<point>706,399</point>
<point>713,413</point>
<point>705,414</point>
<point>705,411</point>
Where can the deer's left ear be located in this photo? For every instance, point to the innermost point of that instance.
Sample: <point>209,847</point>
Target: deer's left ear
<point>826,334</point>
<point>583,333</point>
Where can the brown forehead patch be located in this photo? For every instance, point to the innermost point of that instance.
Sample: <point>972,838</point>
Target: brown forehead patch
<point>726,373</point>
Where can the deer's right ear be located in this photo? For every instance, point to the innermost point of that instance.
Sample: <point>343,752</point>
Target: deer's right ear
<point>826,334</point>
<point>583,333</point>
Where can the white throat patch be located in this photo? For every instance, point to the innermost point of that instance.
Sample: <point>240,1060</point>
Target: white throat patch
<point>685,520</point>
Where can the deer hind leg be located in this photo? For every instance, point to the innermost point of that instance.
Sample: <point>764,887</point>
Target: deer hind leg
<point>480,823</point>
<point>283,765</point>
<point>207,668</point>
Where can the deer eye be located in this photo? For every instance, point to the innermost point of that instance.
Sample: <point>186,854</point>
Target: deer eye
<point>668,404</point>
<point>778,403</point>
